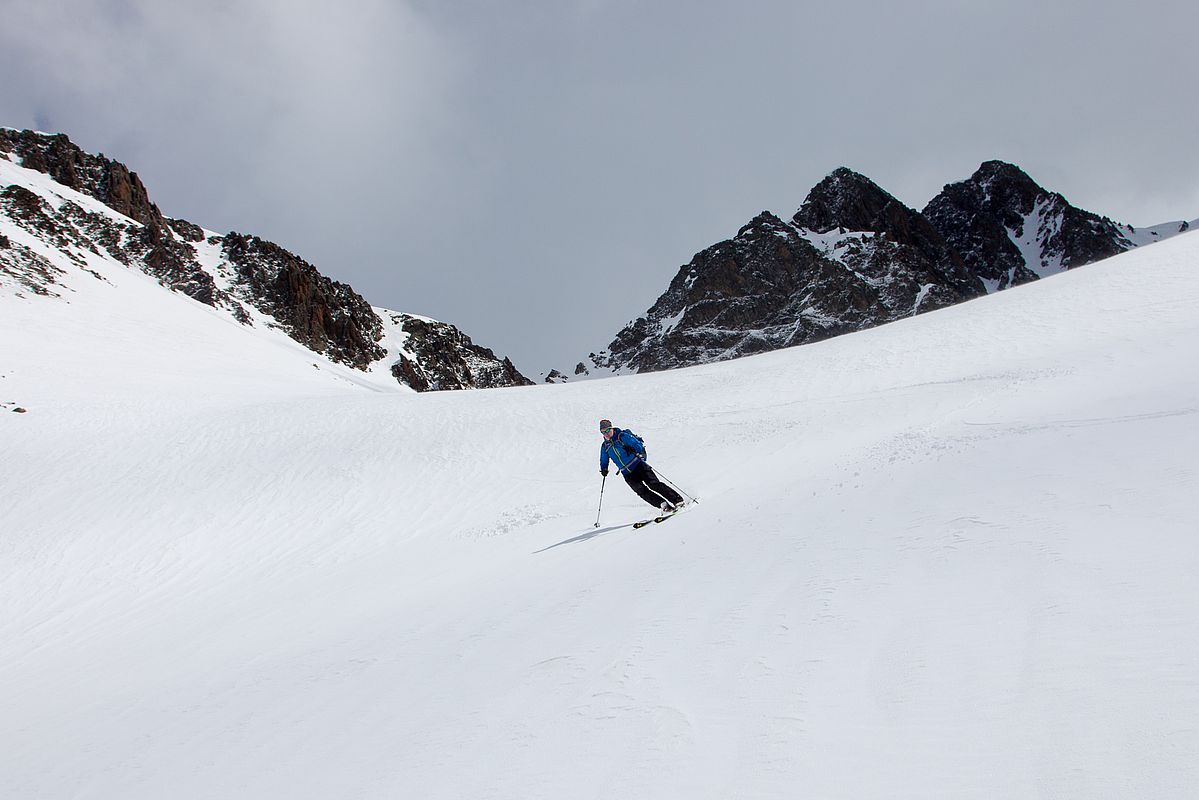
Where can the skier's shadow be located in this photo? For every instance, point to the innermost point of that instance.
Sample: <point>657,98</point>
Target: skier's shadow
<point>582,537</point>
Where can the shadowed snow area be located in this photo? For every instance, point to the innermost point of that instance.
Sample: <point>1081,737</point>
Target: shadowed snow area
<point>954,557</point>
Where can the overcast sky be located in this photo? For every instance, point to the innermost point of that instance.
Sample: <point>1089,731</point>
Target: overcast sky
<point>536,172</point>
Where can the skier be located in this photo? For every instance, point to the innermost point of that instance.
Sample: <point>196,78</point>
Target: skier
<point>628,451</point>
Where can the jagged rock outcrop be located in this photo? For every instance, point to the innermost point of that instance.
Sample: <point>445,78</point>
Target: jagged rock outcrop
<point>324,315</point>
<point>108,181</point>
<point>186,231</point>
<point>853,257</point>
<point>174,264</point>
<point>443,357</point>
<point>1009,230</point>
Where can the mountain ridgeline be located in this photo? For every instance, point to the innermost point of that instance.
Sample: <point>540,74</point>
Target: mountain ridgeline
<point>854,257</point>
<point>850,258</point>
<point>242,275</point>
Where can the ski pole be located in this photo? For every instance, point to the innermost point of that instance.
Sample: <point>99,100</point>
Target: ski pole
<point>678,488</point>
<point>601,501</point>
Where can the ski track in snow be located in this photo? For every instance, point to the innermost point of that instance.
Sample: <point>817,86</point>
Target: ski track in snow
<point>951,557</point>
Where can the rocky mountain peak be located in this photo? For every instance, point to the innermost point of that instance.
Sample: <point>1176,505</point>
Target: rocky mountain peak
<point>765,222</point>
<point>1009,229</point>
<point>844,199</point>
<point>1006,189</point>
<point>764,232</point>
<point>852,257</point>
<point>1002,171</point>
<point>848,201</point>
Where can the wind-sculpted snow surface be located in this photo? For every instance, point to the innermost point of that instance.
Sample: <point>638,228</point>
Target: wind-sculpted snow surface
<point>952,557</point>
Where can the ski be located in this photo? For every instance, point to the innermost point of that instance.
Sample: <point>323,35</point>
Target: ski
<point>665,517</point>
<point>645,522</point>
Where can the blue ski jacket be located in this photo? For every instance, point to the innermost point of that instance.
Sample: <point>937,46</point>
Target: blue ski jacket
<point>624,450</point>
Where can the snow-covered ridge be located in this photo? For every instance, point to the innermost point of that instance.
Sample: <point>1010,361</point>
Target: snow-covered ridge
<point>64,211</point>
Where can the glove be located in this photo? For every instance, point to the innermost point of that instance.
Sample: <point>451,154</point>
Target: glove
<point>604,472</point>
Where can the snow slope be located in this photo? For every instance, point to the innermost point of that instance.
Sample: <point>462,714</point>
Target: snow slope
<point>1159,232</point>
<point>954,556</point>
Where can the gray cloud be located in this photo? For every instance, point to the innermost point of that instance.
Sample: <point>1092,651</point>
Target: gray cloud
<point>536,172</point>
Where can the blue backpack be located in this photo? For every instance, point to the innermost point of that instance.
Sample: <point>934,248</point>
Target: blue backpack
<point>640,441</point>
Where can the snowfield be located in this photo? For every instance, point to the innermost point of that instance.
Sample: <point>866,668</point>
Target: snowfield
<point>952,557</point>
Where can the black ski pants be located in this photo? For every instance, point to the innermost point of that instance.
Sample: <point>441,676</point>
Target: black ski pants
<point>649,486</point>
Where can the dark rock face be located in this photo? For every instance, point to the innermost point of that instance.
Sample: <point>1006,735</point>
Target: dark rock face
<point>1009,230</point>
<point>322,314</point>
<point>446,358</point>
<point>108,181</point>
<point>738,297</point>
<point>175,265</point>
<point>853,257</point>
<point>186,230</point>
<point>848,201</point>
